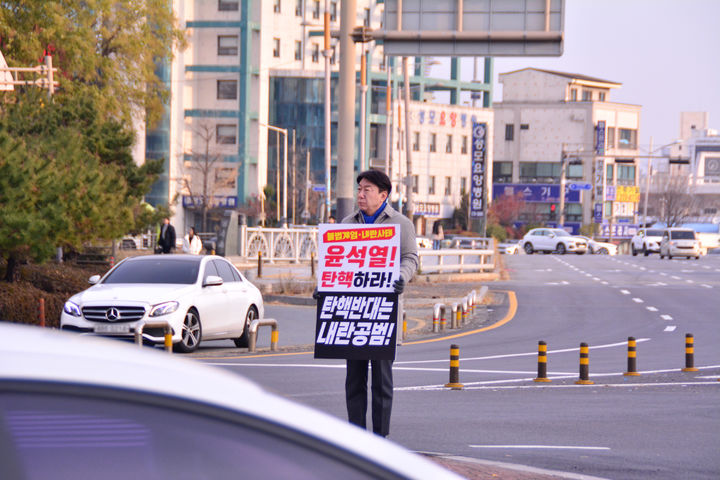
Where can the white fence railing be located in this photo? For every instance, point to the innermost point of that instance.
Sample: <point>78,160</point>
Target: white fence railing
<point>278,244</point>
<point>455,260</point>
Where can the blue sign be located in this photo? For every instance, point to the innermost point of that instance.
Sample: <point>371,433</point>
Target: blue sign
<point>580,186</point>
<point>477,182</point>
<point>536,193</point>
<point>215,201</point>
<point>318,187</point>
<point>598,213</point>
<point>600,137</point>
<point>621,230</point>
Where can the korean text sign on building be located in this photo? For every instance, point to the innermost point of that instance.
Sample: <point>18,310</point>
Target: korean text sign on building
<point>357,310</point>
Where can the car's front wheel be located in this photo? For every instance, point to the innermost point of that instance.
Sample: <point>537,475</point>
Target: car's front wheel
<point>634,252</point>
<point>528,248</point>
<point>645,250</point>
<point>191,333</point>
<point>603,251</point>
<point>243,341</point>
<point>561,248</point>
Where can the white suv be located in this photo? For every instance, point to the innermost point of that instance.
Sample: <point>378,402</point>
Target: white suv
<point>679,242</point>
<point>552,240</point>
<point>646,240</point>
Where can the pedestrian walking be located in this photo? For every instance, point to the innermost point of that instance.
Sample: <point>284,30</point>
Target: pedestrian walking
<point>437,234</point>
<point>192,243</point>
<point>166,240</point>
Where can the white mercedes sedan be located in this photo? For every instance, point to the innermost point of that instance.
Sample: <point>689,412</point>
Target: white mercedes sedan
<point>200,297</point>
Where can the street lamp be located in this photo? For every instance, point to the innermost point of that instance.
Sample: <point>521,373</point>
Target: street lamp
<point>285,158</point>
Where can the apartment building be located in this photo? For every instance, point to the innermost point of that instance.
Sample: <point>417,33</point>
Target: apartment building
<point>547,118</point>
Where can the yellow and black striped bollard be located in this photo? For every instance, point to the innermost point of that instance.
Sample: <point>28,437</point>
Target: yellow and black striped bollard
<point>454,382</point>
<point>542,363</point>
<point>632,358</point>
<point>689,353</point>
<point>584,365</point>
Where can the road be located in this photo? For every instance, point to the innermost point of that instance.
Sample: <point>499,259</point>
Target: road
<point>663,424</point>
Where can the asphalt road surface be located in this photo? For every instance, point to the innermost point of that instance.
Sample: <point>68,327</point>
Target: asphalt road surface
<point>663,424</point>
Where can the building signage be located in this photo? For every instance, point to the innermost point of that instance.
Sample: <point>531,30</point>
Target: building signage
<point>600,179</point>
<point>619,230</point>
<point>358,309</point>
<point>600,137</point>
<point>627,194</point>
<point>610,193</point>
<point>712,166</point>
<point>536,193</point>
<point>598,213</point>
<point>427,209</point>
<point>442,118</point>
<point>623,209</point>
<point>216,201</point>
<point>477,183</point>
<point>579,186</point>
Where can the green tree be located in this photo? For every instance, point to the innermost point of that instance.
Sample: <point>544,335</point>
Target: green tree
<point>108,48</point>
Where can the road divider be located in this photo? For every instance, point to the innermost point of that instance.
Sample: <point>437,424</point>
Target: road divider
<point>584,366</point>
<point>632,358</point>
<point>454,380</point>
<point>689,353</point>
<point>542,363</point>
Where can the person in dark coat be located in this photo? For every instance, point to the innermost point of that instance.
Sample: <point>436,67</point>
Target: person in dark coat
<point>166,241</point>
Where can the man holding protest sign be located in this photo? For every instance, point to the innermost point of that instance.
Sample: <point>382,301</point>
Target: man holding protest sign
<point>363,270</point>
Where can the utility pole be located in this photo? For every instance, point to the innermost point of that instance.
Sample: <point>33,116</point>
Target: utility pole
<point>346,111</point>
<point>327,52</point>
<point>410,208</point>
<point>647,183</point>
<point>563,178</point>
<point>388,117</point>
<point>363,108</point>
<point>292,180</point>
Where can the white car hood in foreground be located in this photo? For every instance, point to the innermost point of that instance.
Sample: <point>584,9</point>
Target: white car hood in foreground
<point>144,293</point>
<point>35,354</point>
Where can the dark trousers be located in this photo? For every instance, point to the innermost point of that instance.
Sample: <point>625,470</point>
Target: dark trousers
<point>382,393</point>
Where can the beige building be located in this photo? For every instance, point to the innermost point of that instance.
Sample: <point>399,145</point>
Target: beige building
<point>546,116</point>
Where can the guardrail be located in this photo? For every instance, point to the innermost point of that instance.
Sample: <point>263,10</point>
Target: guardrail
<point>293,244</point>
<point>484,261</point>
<point>167,330</point>
<point>252,333</point>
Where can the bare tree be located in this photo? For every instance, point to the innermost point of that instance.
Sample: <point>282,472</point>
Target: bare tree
<point>673,200</point>
<point>203,166</point>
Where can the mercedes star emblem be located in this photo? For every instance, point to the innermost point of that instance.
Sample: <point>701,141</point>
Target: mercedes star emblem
<point>112,314</point>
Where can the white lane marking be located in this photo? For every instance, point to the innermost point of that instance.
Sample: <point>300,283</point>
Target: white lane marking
<point>541,447</point>
<point>705,286</point>
<point>663,274</point>
<point>604,282</point>
<point>690,281</point>
<point>638,300</point>
<point>604,385</point>
<point>652,309</point>
<point>588,274</point>
<point>670,328</point>
<point>666,317</point>
<point>708,376</point>
<point>564,282</point>
<point>509,355</point>
<point>596,279</point>
<point>643,268</point>
<point>675,277</point>
<point>625,292</point>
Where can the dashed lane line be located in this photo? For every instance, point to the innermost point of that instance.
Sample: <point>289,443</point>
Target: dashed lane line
<point>652,309</point>
<point>638,300</point>
<point>666,317</point>
<point>670,328</point>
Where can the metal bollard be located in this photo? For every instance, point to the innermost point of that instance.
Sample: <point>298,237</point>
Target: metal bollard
<point>464,314</point>
<point>443,318</point>
<point>584,365</point>
<point>404,326</point>
<point>252,333</point>
<point>454,315</point>
<point>259,265</point>
<point>454,382</point>
<point>437,309</point>
<point>632,358</point>
<point>167,330</point>
<point>542,363</point>
<point>472,296</point>
<point>41,312</point>
<point>689,353</point>
<point>312,264</point>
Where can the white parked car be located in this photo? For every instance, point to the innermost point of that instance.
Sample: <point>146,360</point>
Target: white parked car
<point>201,297</point>
<point>679,242</point>
<point>552,240</point>
<point>646,241</point>
<point>74,407</point>
<point>509,247</point>
<point>600,248</point>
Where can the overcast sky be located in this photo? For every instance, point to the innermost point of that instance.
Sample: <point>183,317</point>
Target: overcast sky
<point>666,54</point>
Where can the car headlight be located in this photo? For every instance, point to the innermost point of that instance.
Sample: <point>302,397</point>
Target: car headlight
<point>72,309</point>
<point>163,308</point>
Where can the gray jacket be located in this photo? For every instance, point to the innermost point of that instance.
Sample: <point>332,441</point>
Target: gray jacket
<point>408,244</point>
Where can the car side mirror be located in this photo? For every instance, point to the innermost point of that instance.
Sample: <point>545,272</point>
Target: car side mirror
<point>552,235</point>
<point>212,281</point>
<point>94,279</point>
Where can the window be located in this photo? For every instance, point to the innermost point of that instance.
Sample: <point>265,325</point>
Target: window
<point>416,141</point>
<point>627,138</point>
<point>574,171</point>
<point>227,45</point>
<point>608,210</point>
<point>539,172</point>
<point>601,96</point>
<point>509,132</point>
<point>332,57</point>
<point>226,177</point>
<point>298,8</point>
<point>431,185</point>
<point>315,53</point>
<point>448,144</point>
<point>611,137</point>
<point>448,185</point>
<point>333,11</point>
<point>587,95</point>
<point>276,47</point>
<point>366,21</point>
<point>573,95</point>
<point>609,172</point>
<point>463,185</point>
<point>415,181</point>
<point>227,89</point>
<point>502,172</point>
<point>524,126</point>
<point>626,174</point>
<point>433,142</point>
<point>226,134</point>
<point>316,9</point>
<point>228,5</point>
<point>463,148</point>
<point>276,6</point>
<point>298,50</point>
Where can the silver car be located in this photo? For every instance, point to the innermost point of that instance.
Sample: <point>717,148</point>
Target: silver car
<point>679,242</point>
